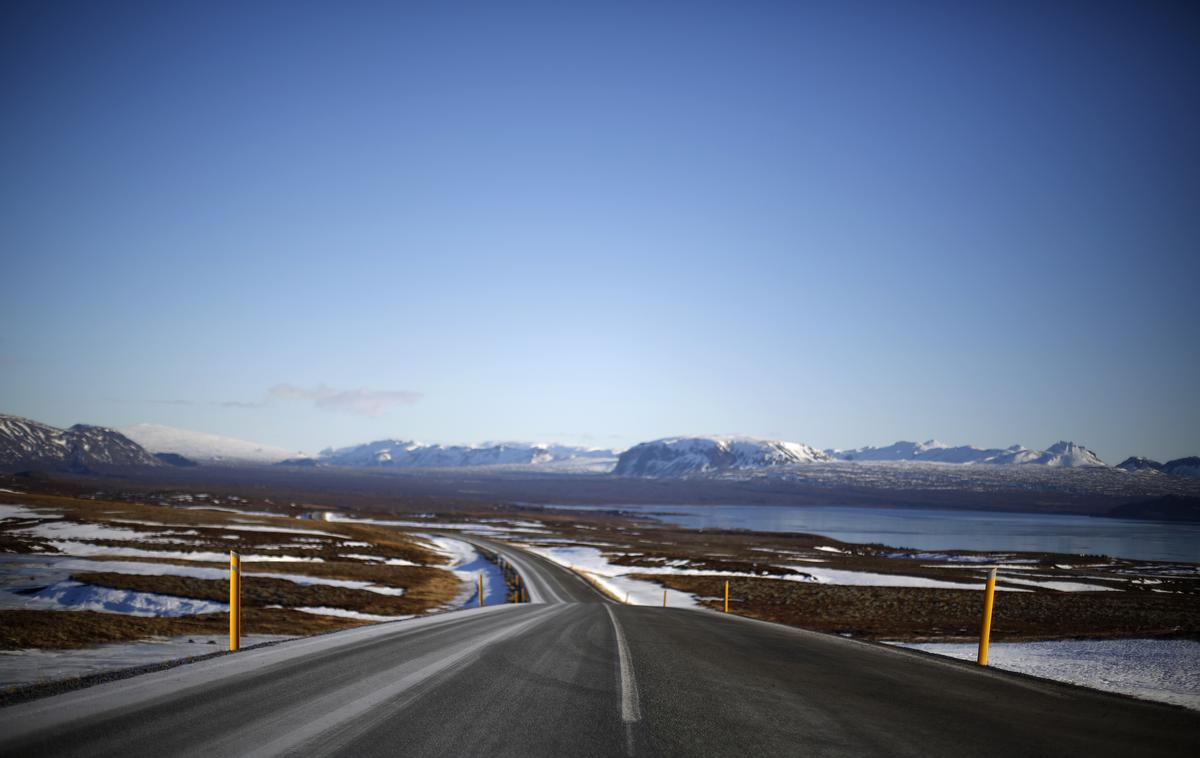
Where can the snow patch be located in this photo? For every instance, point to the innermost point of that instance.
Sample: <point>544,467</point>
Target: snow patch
<point>75,596</point>
<point>87,549</point>
<point>1060,586</point>
<point>467,564</point>
<point>869,579</point>
<point>342,612</point>
<point>24,667</point>
<point>21,512</point>
<point>1162,670</point>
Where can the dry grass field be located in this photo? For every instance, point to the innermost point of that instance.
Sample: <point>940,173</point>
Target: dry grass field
<point>918,614</point>
<point>342,574</point>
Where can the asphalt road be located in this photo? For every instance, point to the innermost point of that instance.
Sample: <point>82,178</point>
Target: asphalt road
<point>572,674</point>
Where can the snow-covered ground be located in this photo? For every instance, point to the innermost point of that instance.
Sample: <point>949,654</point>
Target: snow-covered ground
<point>591,561</point>
<point>23,667</point>
<point>89,549</point>
<point>76,596</point>
<point>870,579</point>
<point>42,582</point>
<point>1061,586</point>
<point>467,564</point>
<point>322,610</point>
<point>77,530</point>
<point>589,558</point>
<point>377,559</point>
<point>1163,670</point>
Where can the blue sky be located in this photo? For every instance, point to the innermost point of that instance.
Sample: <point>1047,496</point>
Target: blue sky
<point>836,223</point>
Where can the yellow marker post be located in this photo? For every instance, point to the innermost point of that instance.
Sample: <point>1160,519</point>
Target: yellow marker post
<point>480,589</point>
<point>985,633</point>
<point>727,596</point>
<point>664,598</point>
<point>235,601</point>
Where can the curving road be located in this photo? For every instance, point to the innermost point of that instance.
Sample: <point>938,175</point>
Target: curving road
<point>572,674</point>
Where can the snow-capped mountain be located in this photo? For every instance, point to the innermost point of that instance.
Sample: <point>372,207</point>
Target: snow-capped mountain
<point>1138,463</point>
<point>202,447</point>
<point>931,450</point>
<point>1189,466</point>
<point>1058,455</point>
<point>409,454</point>
<point>1061,454</point>
<point>30,444</point>
<point>680,456</point>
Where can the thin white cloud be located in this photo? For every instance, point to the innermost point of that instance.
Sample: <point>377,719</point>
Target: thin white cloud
<point>243,404</point>
<point>361,402</point>
<point>220,404</point>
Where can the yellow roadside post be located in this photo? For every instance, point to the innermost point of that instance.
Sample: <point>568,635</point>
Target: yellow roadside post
<point>480,589</point>
<point>235,600</point>
<point>727,596</point>
<point>985,633</point>
<point>664,598</point>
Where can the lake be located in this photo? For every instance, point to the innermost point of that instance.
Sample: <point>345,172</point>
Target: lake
<point>930,529</point>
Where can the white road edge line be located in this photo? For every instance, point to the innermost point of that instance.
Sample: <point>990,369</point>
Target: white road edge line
<point>630,709</point>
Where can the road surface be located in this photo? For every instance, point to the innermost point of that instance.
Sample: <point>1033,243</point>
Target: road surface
<point>572,674</point>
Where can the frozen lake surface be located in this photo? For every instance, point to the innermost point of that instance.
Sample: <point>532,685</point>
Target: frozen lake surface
<point>931,529</point>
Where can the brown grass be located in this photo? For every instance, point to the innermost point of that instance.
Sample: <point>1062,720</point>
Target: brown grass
<point>23,543</point>
<point>917,613</point>
<point>260,591</point>
<point>386,542</point>
<point>432,586</point>
<point>23,629</point>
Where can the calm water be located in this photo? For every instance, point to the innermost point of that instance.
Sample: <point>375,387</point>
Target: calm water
<point>926,529</point>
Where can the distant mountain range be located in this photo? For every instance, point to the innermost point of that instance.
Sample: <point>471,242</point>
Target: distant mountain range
<point>1189,466</point>
<point>683,456</point>
<point>1060,454</point>
<point>409,454</point>
<point>26,444</point>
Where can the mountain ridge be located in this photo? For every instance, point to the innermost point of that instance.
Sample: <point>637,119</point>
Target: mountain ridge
<point>411,454</point>
<point>1060,454</point>
<point>25,443</point>
<point>80,448</point>
<point>681,456</point>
